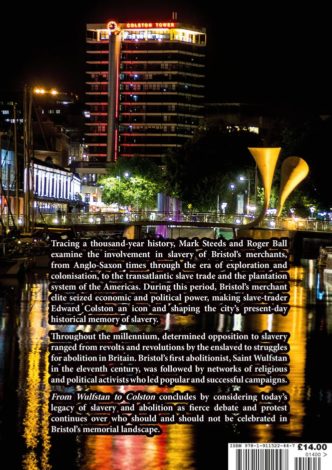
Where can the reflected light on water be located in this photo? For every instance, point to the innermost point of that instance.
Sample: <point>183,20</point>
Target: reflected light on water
<point>179,447</point>
<point>46,439</point>
<point>238,322</point>
<point>173,449</point>
<point>36,392</point>
<point>31,420</point>
<point>295,324</point>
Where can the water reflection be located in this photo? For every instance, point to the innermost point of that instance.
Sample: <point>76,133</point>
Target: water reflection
<point>296,324</point>
<point>172,449</point>
<point>34,391</point>
<point>180,446</point>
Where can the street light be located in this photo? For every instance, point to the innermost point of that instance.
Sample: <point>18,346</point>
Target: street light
<point>242,179</point>
<point>29,92</point>
<point>43,91</point>
<point>232,187</point>
<point>223,206</point>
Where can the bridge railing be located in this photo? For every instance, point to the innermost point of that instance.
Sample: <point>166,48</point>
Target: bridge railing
<point>132,217</point>
<point>297,223</point>
<point>95,218</point>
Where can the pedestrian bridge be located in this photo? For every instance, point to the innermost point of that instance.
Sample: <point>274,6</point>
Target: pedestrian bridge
<point>106,220</point>
<point>306,236</point>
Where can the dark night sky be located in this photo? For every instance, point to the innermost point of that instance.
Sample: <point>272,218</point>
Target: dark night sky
<point>262,52</point>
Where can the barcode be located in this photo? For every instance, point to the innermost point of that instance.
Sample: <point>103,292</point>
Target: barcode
<point>279,456</point>
<point>264,459</point>
<point>308,463</point>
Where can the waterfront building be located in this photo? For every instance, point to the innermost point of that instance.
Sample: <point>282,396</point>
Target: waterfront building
<point>145,88</point>
<point>54,187</point>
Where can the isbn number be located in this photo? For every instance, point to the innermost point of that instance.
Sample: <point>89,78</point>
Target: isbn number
<point>271,459</point>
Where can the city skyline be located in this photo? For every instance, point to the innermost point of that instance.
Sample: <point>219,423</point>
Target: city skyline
<point>253,54</point>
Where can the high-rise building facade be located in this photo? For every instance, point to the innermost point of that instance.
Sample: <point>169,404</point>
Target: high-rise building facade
<point>145,88</point>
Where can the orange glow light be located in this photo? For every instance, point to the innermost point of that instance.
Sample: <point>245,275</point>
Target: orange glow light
<point>39,91</point>
<point>112,26</point>
<point>43,91</point>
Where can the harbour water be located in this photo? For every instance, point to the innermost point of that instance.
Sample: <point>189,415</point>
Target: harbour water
<point>25,390</point>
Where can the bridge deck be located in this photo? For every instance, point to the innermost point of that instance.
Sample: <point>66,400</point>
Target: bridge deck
<point>107,221</point>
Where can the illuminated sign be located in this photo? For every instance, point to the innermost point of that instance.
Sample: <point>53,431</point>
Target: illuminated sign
<point>150,25</point>
<point>112,26</point>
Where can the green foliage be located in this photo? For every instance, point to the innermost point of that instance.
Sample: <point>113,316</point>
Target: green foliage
<point>137,166</point>
<point>273,197</point>
<point>132,182</point>
<point>134,191</point>
<point>301,201</point>
<point>205,167</point>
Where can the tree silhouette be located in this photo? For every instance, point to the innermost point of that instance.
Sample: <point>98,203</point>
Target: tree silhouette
<point>204,168</point>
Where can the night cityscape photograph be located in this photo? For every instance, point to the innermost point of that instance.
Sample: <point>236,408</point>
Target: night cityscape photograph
<point>160,120</point>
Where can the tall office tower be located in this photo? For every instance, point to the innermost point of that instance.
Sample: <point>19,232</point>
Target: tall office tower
<point>145,88</point>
